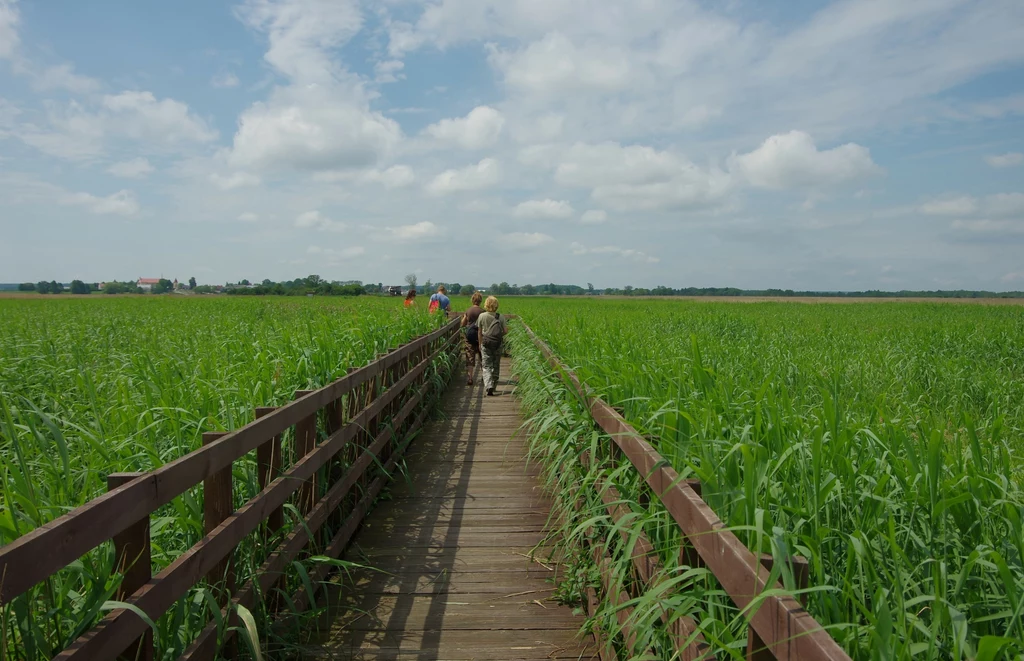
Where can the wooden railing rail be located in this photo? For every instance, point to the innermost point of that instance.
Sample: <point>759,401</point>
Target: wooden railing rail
<point>779,625</point>
<point>392,386</point>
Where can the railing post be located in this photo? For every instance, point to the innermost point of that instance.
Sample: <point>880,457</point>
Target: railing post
<point>756,648</point>
<point>305,442</point>
<point>218,505</point>
<point>132,550</point>
<point>268,467</point>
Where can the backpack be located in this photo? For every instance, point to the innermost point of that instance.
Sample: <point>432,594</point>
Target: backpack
<point>492,339</point>
<point>434,304</point>
<point>472,333</point>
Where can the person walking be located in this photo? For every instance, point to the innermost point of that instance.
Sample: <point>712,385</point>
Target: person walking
<point>440,300</point>
<point>491,330</point>
<point>472,335</point>
<point>410,298</point>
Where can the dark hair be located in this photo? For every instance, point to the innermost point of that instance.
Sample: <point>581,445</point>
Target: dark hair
<point>410,294</point>
<point>477,298</point>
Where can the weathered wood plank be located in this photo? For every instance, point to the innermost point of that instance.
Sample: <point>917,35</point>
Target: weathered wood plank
<point>453,576</point>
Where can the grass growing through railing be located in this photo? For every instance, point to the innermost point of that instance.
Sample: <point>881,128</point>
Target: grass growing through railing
<point>882,442</point>
<point>89,387</point>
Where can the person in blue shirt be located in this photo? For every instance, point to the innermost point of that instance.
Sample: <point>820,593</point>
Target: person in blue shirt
<point>440,300</point>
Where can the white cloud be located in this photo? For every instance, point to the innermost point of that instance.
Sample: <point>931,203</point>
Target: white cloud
<point>956,206</point>
<point>792,160</point>
<point>322,120</point>
<point>998,205</point>
<point>78,131</point>
<point>136,168</point>
<point>480,128</point>
<point>248,217</point>
<point>234,180</point>
<point>414,232</point>
<point>303,34</point>
<point>989,226</point>
<point>63,76</point>
<point>474,177</point>
<point>594,217</point>
<point>555,65</point>
<point>335,255</point>
<point>8,29</point>
<point>121,203</point>
<point>140,115</point>
<point>313,129</point>
<point>316,220</point>
<point>389,71</point>
<point>543,209</point>
<point>1005,204</point>
<point>396,176</point>
<point>225,80</point>
<point>524,240</point>
<point>641,178</point>
<point>1005,160</point>
<point>625,253</point>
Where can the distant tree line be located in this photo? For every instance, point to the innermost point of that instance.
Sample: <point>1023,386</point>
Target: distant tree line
<point>871,293</point>
<point>312,284</point>
<point>54,287</point>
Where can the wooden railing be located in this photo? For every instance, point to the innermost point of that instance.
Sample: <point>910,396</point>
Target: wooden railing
<point>366,419</point>
<point>779,627</point>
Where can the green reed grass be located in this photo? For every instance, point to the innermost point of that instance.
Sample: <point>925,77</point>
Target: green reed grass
<point>90,387</point>
<point>881,441</point>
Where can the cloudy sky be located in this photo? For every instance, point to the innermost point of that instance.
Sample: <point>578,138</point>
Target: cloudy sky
<point>752,143</point>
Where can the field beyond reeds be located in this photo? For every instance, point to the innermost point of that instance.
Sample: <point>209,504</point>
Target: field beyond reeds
<point>882,442</point>
<point>101,385</point>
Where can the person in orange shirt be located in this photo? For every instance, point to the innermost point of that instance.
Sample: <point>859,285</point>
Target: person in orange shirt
<point>410,298</point>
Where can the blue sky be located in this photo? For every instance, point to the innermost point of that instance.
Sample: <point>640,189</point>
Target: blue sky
<point>809,145</point>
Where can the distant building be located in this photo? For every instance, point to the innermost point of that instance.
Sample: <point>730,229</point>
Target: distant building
<point>395,290</point>
<point>147,284</point>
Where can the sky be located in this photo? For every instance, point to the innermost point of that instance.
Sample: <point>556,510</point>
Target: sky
<point>799,144</point>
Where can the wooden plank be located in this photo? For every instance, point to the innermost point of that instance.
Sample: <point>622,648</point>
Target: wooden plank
<point>134,563</point>
<point>455,645</point>
<point>218,505</point>
<point>368,612</point>
<point>305,441</point>
<point>36,555</point>
<point>268,467</point>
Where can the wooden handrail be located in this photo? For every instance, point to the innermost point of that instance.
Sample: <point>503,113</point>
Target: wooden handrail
<point>33,557</point>
<point>788,631</point>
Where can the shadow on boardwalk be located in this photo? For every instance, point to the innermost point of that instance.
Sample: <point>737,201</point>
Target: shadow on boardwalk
<point>451,547</point>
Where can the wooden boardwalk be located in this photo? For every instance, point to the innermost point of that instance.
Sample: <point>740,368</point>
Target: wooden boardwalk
<point>452,547</point>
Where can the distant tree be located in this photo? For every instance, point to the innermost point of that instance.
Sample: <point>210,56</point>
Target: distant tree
<point>79,287</point>
<point>267,282</point>
<point>56,287</point>
<point>245,283</point>
<point>454,288</point>
<point>26,286</point>
<point>163,286</point>
<point>191,283</point>
<point>411,280</point>
<point>115,288</point>
<point>313,281</point>
<point>529,290</point>
<point>466,290</point>
<point>590,288</point>
<point>428,286</point>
